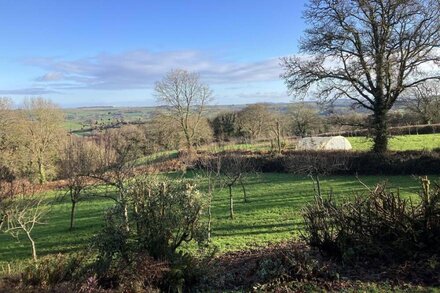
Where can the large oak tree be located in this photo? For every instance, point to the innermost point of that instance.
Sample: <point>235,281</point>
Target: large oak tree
<point>369,51</point>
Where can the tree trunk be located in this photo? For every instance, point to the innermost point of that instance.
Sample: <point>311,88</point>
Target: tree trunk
<point>278,137</point>
<point>127,226</point>
<point>209,206</point>
<point>380,128</point>
<point>34,249</point>
<point>318,185</point>
<point>209,220</point>
<point>72,214</point>
<point>188,140</point>
<point>41,172</point>
<point>136,215</point>
<point>231,203</point>
<point>123,203</point>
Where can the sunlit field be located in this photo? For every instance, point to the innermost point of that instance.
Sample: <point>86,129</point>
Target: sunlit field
<point>272,214</point>
<point>400,142</point>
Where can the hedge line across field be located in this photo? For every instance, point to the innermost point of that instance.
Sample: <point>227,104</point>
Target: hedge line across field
<point>345,163</point>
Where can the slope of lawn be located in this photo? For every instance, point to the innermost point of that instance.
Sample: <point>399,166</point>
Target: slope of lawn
<point>272,214</point>
<point>400,142</point>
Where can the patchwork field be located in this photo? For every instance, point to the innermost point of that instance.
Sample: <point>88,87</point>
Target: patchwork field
<point>273,214</point>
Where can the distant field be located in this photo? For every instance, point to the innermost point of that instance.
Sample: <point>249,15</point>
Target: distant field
<point>273,214</point>
<point>400,142</point>
<point>76,117</point>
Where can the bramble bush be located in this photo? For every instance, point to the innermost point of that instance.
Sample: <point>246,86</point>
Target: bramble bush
<point>381,224</point>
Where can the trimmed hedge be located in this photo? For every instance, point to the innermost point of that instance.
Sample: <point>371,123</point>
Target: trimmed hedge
<point>348,163</point>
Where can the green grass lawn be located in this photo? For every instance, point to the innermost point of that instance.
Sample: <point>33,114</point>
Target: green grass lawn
<point>396,143</point>
<point>400,142</point>
<point>273,214</point>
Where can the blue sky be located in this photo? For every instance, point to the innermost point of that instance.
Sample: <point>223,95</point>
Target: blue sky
<point>96,52</point>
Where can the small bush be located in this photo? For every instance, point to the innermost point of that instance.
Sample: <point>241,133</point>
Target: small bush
<point>142,274</point>
<point>166,214</point>
<point>52,270</point>
<point>163,215</point>
<point>112,241</point>
<point>381,224</point>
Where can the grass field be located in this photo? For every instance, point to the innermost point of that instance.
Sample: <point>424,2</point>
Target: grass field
<point>273,214</point>
<point>400,142</point>
<point>397,143</point>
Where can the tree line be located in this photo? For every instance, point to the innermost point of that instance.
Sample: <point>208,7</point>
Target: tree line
<point>33,140</point>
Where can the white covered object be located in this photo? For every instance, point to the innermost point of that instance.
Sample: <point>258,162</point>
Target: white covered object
<point>324,143</point>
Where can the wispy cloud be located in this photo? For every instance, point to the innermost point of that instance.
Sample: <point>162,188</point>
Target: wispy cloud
<point>269,96</point>
<point>34,91</point>
<point>141,68</point>
<point>51,76</point>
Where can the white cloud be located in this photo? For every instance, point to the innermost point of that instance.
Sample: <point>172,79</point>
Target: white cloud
<point>141,68</point>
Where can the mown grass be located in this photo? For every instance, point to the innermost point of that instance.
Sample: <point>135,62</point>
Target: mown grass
<point>400,142</point>
<point>272,214</point>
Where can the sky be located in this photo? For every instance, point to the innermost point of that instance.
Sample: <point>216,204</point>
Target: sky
<point>108,52</point>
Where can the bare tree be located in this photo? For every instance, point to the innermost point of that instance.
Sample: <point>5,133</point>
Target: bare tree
<point>305,119</point>
<point>10,138</point>
<point>117,156</point>
<point>253,121</point>
<point>6,120</point>
<point>235,168</point>
<point>161,133</point>
<point>210,169</point>
<point>315,164</point>
<point>278,128</point>
<point>77,161</point>
<point>20,215</point>
<point>424,101</point>
<point>7,150</point>
<point>185,98</point>
<point>42,132</point>
<point>367,51</point>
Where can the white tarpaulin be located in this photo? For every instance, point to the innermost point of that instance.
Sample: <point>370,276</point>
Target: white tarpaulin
<point>324,143</point>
